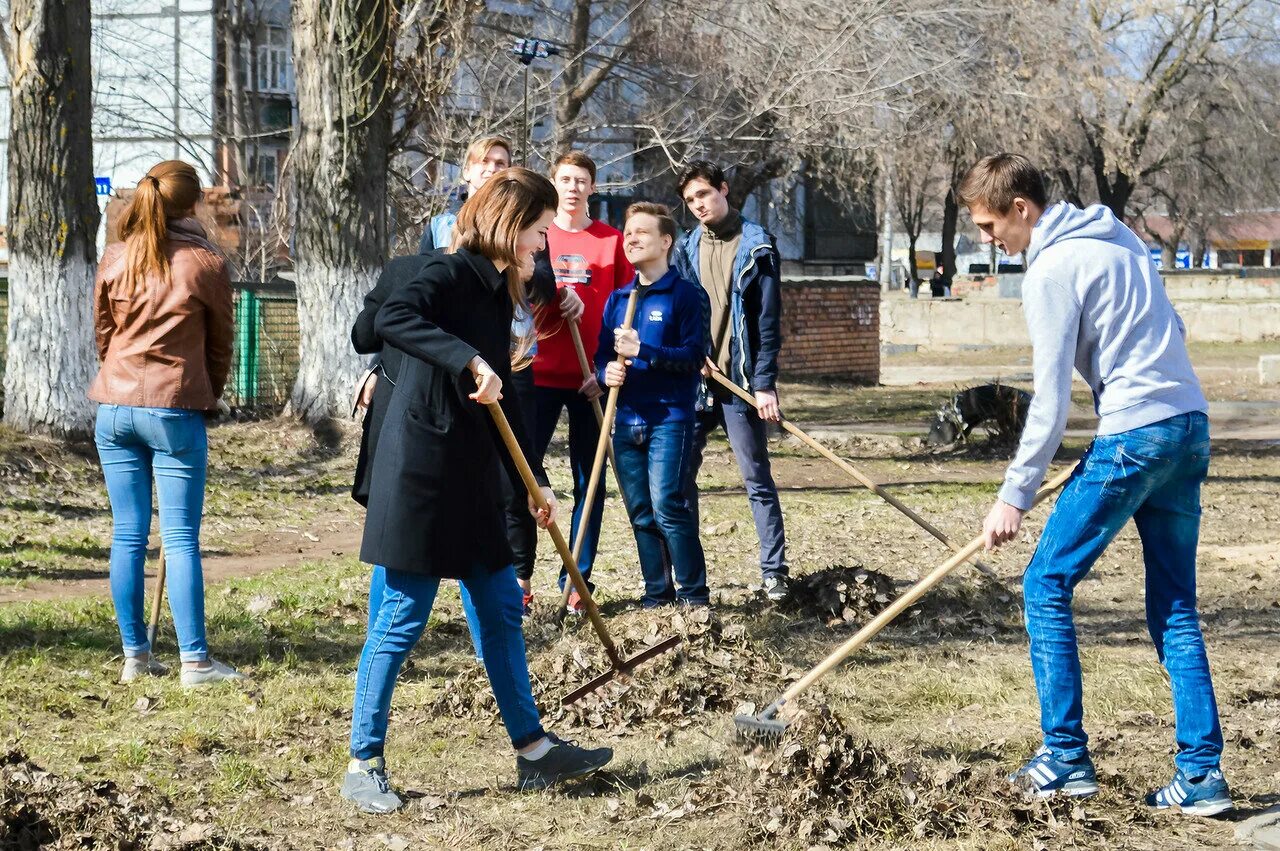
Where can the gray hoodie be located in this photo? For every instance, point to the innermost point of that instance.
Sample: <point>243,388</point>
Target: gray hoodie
<point>1093,300</point>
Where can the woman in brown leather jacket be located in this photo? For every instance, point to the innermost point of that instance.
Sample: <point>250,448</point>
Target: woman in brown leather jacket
<point>163,316</point>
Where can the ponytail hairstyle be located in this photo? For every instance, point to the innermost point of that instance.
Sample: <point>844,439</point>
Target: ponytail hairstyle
<point>490,223</point>
<point>170,190</point>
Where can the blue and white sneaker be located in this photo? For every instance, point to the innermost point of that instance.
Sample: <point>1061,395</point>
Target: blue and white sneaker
<point>1046,776</point>
<point>1207,796</point>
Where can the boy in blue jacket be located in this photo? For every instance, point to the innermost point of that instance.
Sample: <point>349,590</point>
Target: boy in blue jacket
<point>657,364</point>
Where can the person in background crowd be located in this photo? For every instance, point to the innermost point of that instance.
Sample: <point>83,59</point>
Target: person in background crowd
<point>653,432</point>
<point>586,256</point>
<point>736,262</point>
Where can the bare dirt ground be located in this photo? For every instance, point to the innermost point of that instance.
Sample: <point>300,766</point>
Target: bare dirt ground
<point>905,746</point>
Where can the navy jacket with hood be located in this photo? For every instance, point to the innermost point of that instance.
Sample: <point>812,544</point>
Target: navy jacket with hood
<point>672,319</point>
<point>755,304</point>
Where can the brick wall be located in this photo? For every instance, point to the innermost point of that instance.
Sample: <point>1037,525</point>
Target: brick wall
<point>831,329</point>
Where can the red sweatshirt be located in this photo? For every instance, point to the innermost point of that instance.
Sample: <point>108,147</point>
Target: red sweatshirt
<point>593,263</point>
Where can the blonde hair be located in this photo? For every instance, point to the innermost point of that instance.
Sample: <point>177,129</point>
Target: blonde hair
<point>480,148</point>
<point>170,189</point>
<point>490,222</point>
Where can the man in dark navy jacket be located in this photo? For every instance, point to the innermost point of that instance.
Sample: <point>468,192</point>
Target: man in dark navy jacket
<point>656,363</point>
<point>736,263</point>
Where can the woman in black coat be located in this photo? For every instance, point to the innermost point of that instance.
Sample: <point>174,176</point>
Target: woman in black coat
<point>435,507</point>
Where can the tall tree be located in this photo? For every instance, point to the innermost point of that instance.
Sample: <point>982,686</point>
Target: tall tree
<point>343,58</point>
<point>53,218</point>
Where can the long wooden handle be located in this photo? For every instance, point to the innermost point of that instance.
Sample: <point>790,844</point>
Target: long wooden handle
<point>153,628</point>
<point>909,597</point>
<point>853,471</point>
<point>602,445</point>
<point>587,372</point>
<point>562,546</point>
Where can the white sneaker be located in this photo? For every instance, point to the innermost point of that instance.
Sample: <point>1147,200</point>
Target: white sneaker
<point>217,672</point>
<point>135,667</point>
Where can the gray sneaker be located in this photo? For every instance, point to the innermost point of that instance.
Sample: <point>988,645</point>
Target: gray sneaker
<point>564,761</point>
<point>777,587</point>
<point>217,672</point>
<point>367,787</point>
<point>135,668</point>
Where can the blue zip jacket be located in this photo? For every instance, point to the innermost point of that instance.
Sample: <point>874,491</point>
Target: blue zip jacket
<point>672,318</point>
<point>755,306</point>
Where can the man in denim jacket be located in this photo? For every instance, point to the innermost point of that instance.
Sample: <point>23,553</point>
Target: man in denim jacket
<point>736,262</point>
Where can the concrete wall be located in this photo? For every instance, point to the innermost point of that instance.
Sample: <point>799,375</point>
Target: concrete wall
<point>831,328</point>
<point>951,323</point>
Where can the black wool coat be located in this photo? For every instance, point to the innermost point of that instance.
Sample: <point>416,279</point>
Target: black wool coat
<point>364,338</point>
<point>435,503</point>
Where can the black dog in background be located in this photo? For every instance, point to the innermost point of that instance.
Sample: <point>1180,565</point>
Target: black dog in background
<point>1001,408</point>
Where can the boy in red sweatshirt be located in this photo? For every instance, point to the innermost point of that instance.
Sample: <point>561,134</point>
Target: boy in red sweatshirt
<point>588,256</point>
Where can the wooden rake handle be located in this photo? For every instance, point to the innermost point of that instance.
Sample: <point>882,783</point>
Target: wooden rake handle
<point>602,445</point>
<point>153,627</point>
<point>562,546</point>
<point>908,598</point>
<point>854,472</point>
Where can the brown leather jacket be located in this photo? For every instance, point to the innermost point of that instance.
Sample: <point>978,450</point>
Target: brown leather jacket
<point>169,344</point>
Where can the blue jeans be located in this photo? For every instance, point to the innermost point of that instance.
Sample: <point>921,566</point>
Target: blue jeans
<point>652,465</point>
<point>1153,475</point>
<point>398,620</point>
<point>169,444</point>
<point>749,438</point>
<point>584,432</point>
<point>378,587</point>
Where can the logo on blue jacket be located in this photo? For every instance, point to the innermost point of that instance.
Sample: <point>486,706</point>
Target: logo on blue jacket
<point>655,315</point>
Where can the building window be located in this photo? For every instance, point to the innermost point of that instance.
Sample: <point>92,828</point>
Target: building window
<point>262,168</point>
<point>273,63</point>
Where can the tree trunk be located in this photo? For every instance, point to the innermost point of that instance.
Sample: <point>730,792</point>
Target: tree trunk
<point>53,220</point>
<point>950,219</point>
<point>342,57</point>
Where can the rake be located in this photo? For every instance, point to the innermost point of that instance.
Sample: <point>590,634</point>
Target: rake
<point>767,727</point>
<point>618,665</point>
<point>854,472</point>
<point>613,463</point>
<point>603,445</point>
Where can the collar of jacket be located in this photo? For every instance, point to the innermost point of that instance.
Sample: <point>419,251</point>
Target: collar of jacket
<point>190,230</point>
<point>753,237</point>
<point>663,284</point>
<point>484,267</point>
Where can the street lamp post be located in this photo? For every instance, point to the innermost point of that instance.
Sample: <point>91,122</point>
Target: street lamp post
<point>525,51</point>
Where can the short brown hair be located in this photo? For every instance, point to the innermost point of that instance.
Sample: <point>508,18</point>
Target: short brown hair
<point>480,148</point>
<point>661,212</point>
<point>999,178</point>
<point>577,158</point>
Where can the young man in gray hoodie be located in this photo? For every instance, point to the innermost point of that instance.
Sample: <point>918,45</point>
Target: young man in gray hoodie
<point>1093,300</point>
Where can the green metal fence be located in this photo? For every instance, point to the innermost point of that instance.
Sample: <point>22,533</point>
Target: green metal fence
<point>264,361</point>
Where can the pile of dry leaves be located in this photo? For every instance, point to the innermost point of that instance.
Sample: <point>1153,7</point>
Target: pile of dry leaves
<point>841,594</point>
<point>824,785</point>
<point>40,810</point>
<point>714,668</point>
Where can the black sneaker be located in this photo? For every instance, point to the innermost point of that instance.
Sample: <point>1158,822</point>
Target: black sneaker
<point>777,587</point>
<point>564,761</point>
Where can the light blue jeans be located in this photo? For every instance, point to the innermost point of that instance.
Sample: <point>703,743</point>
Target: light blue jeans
<point>1153,475</point>
<point>397,618</point>
<point>170,445</point>
<point>378,586</point>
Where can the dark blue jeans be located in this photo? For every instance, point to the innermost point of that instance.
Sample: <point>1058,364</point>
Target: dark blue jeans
<point>652,465</point>
<point>169,445</point>
<point>749,438</point>
<point>401,615</point>
<point>1152,474</point>
<point>583,434</point>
